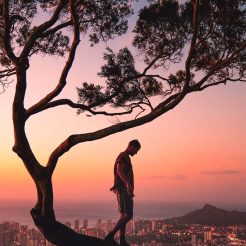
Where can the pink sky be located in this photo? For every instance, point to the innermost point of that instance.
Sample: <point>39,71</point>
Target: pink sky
<point>196,152</point>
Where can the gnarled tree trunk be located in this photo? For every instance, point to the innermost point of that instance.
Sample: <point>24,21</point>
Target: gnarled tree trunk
<point>43,213</point>
<point>44,218</point>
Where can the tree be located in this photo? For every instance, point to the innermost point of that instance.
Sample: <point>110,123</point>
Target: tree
<point>212,47</point>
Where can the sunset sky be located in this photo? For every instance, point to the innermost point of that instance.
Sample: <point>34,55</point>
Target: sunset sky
<point>196,152</point>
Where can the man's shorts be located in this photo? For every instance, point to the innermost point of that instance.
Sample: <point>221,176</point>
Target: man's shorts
<point>125,203</point>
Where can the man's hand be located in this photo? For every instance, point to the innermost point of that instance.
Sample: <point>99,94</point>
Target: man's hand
<point>129,190</point>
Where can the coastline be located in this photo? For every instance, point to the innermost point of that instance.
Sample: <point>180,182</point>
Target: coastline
<point>105,210</point>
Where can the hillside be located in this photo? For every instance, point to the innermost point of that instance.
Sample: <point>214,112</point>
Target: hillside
<point>210,215</point>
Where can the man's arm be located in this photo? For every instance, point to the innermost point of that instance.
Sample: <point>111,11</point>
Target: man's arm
<point>125,179</point>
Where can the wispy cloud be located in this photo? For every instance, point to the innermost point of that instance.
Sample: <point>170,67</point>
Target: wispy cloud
<point>174,177</point>
<point>221,172</point>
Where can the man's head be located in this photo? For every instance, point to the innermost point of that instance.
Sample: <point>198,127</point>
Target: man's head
<point>133,147</point>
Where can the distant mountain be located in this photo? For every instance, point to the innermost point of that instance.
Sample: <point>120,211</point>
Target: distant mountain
<point>210,215</point>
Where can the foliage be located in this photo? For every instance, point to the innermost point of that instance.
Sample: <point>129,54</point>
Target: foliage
<point>162,30</point>
<point>163,33</point>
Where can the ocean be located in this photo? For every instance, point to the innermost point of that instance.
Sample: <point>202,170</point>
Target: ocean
<point>92,211</point>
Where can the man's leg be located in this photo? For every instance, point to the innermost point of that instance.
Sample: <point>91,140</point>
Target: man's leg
<point>123,231</point>
<point>121,224</point>
<point>129,216</point>
<point>123,235</point>
<point>123,202</point>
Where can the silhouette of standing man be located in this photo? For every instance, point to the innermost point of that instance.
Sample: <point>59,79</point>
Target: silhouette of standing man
<point>124,187</point>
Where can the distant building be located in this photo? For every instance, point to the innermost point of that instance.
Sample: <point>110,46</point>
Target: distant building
<point>149,233</point>
<point>109,225</point>
<point>85,224</point>
<point>153,225</point>
<point>76,225</point>
<point>99,224</point>
<point>129,227</point>
<point>164,227</point>
<point>137,226</point>
<point>207,236</point>
<point>5,238</point>
<point>193,240</point>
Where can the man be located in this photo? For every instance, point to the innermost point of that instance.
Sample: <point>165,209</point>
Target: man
<point>124,187</point>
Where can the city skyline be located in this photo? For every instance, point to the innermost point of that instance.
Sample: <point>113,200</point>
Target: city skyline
<point>193,153</point>
<point>140,232</point>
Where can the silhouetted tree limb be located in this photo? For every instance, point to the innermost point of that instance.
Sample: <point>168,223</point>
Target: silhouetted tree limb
<point>192,44</point>
<point>6,31</point>
<point>5,80</point>
<point>38,31</point>
<point>57,28</point>
<point>67,67</point>
<point>61,235</point>
<point>80,138</point>
<point>67,102</point>
<point>220,65</point>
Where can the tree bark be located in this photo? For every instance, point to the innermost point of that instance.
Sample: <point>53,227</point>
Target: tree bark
<point>44,218</point>
<point>61,235</point>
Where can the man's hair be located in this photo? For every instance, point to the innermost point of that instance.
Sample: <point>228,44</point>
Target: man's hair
<point>135,143</point>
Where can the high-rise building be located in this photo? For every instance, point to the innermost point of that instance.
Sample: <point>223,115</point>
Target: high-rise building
<point>23,239</point>
<point>153,225</point>
<point>4,226</point>
<point>14,225</point>
<point>137,226</point>
<point>164,227</point>
<point>23,229</point>
<point>193,240</point>
<point>85,224</point>
<point>109,225</point>
<point>5,238</point>
<point>207,236</point>
<point>76,225</point>
<point>99,224</point>
<point>129,227</point>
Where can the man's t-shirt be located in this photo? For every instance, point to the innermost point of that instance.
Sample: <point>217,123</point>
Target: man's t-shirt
<point>124,160</point>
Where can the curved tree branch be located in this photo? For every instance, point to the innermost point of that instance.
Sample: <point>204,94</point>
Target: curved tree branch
<point>79,138</point>
<point>219,82</point>
<point>192,45</point>
<point>6,33</point>
<point>63,77</point>
<point>219,65</point>
<point>44,103</point>
<point>56,28</point>
<point>38,31</point>
<point>207,35</point>
<point>4,74</point>
<point>68,102</point>
<point>61,26</point>
<point>4,78</point>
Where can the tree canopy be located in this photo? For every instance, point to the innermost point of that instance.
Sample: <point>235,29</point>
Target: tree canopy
<point>208,37</point>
